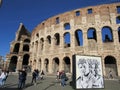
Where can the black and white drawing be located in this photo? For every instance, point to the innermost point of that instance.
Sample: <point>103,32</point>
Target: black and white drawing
<point>89,72</point>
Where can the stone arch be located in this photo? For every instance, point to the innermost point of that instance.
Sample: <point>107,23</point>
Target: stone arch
<point>57,39</point>
<point>36,45</point>
<point>41,43</point>
<point>13,63</point>
<point>67,26</point>
<point>16,48</point>
<point>67,39</point>
<point>27,40</point>
<point>49,39</point>
<point>56,64</point>
<point>118,20</point>
<point>107,35</point>
<point>119,34</point>
<point>110,64</point>
<point>46,64</point>
<point>25,60</point>
<point>26,47</point>
<point>91,34</point>
<point>37,35</point>
<point>78,38</point>
<point>67,64</point>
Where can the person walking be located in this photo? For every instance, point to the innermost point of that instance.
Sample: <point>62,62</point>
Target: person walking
<point>2,78</point>
<point>63,77</point>
<point>34,77</point>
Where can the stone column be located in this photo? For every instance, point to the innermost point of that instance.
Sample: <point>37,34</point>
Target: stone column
<point>21,46</point>
<point>99,39</point>
<point>61,67</point>
<point>72,36</point>
<point>19,63</point>
<point>7,63</point>
<point>42,64</point>
<point>85,41</point>
<point>50,67</point>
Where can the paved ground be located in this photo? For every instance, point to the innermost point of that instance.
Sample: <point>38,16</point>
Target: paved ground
<point>50,83</point>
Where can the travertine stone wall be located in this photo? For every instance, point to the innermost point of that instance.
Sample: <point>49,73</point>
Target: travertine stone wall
<point>50,57</point>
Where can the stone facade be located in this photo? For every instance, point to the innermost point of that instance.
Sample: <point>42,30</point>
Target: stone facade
<point>81,31</point>
<point>51,51</point>
<point>19,50</point>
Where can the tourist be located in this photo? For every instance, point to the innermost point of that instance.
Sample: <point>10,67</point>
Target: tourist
<point>22,78</point>
<point>34,77</point>
<point>2,78</point>
<point>63,77</point>
<point>42,74</point>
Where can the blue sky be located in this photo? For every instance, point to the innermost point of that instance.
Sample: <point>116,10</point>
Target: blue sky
<point>31,13</point>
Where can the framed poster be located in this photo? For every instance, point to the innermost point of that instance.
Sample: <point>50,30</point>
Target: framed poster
<point>88,72</point>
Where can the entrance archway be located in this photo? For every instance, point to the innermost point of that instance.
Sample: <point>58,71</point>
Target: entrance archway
<point>67,64</point>
<point>25,61</point>
<point>55,64</point>
<point>13,63</point>
<point>46,64</point>
<point>110,64</point>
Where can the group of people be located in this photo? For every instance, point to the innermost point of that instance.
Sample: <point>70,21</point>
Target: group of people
<point>61,76</point>
<point>36,74</point>
<point>23,74</point>
<point>3,77</point>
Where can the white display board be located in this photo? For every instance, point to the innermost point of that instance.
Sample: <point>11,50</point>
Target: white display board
<point>89,72</point>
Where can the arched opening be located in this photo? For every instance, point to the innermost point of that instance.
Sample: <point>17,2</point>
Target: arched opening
<point>26,48</point>
<point>118,20</point>
<point>67,64</point>
<point>46,64</point>
<point>41,43</point>
<point>67,39</point>
<point>66,26</point>
<point>119,34</point>
<point>16,48</point>
<point>78,38</point>
<point>110,64</point>
<point>91,34</point>
<point>55,64</point>
<point>57,38</point>
<point>25,60</point>
<point>27,41</point>
<point>36,46</point>
<point>13,63</point>
<point>107,35</point>
<point>39,64</point>
<point>49,39</point>
<point>57,20</point>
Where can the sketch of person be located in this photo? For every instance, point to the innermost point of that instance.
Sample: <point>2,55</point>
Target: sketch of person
<point>96,79</point>
<point>82,80</point>
<point>89,76</point>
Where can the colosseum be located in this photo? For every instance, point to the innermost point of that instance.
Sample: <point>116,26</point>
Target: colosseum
<point>93,30</point>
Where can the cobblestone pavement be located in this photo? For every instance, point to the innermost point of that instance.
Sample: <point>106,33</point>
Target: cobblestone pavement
<point>50,83</point>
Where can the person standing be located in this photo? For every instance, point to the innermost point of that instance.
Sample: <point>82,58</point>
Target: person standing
<point>22,78</point>
<point>24,73</point>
